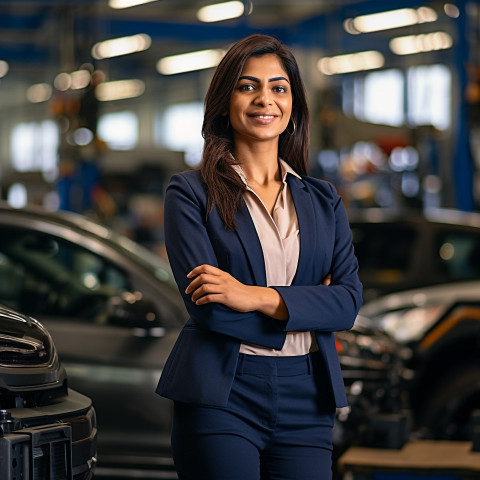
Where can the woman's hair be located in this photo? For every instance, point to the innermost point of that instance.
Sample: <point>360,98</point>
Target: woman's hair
<point>224,186</point>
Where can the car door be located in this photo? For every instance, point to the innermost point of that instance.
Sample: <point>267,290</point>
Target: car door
<point>70,288</point>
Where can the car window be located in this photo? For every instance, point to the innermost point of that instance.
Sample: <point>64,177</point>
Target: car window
<point>384,251</point>
<point>459,255</point>
<point>41,274</point>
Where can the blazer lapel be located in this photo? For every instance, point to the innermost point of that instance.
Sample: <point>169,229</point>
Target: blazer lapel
<point>306,223</point>
<point>251,244</point>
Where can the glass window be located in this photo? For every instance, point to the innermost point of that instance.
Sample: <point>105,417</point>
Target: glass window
<point>459,255</point>
<point>180,129</point>
<point>34,146</point>
<point>377,97</point>
<point>429,96</point>
<point>43,275</point>
<point>383,251</point>
<point>119,130</point>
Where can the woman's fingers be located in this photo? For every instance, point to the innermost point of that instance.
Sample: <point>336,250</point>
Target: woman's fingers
<point>202,279</point>
<point>204,268</point>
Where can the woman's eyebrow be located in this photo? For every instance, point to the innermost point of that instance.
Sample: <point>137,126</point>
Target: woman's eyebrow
<point>257,80</point>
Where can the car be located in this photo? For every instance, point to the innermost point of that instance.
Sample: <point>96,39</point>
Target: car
<point>438,329</point>
<point>114,312</point>
<point>373,369</point>
<point>46,429</point>
<point>404,250</point>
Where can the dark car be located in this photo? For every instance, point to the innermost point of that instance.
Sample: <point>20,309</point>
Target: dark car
<point>114,312</point>
<point>438,328</point>
<point>401,251</point>
<point>46,429</point>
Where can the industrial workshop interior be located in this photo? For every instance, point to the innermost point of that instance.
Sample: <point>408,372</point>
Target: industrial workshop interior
<point>102,101</point>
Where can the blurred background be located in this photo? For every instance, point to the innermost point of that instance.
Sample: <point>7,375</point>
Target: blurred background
<point>96,112</point>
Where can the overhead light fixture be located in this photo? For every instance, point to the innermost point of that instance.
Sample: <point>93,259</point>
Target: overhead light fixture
<point>351,62</point>
<point>451,10</point>
<point>74,80</point>
<point>118,4</point>
<point>80,79</point>
<point>426,42</point>
<point>119,90</point>
<point>38,93</point>
<point>221,11</point>
<point>121,46</point>
<point>402,17</point>
<point>3,68</point>
<point>188,62</point>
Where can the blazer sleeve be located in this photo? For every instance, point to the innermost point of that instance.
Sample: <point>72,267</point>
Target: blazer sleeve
<point>189,245</point>
<point>334,307</point>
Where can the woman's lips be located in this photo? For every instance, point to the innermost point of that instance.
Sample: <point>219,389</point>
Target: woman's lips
<point>263,119</point>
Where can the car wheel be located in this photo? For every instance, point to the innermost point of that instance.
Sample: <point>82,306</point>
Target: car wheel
<point>448,411</point>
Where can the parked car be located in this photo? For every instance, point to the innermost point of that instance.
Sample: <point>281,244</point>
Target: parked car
<point>439,328</point>
<point>46,429</point>
<point>401,251</point>
<point>114,312</point>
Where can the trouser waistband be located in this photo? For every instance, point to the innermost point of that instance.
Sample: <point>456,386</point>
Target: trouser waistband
<point>279,366</point>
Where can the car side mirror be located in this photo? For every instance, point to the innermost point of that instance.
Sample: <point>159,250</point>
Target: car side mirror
<point>131,310</point>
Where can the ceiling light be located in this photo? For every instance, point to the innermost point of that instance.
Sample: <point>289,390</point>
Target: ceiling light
<point>3,68</point>
<point>121,46</point>
<point>391,19</point>
<point>351,62</point>
<point>221,11</point>
<point>80,79</point>
<point>451,10</point>
<point>40,92</point>
<point>127,3</point>
<point>427,42</point>
<point>62,81</point>
<point>188,62</point>
<point>118,90</point>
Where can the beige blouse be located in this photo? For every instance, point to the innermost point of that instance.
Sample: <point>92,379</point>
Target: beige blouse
<point>280,239</point>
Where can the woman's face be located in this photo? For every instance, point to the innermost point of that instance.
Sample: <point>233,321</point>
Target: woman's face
<point>261,104</point>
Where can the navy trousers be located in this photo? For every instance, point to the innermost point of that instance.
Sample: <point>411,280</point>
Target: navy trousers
<point>277,425</point>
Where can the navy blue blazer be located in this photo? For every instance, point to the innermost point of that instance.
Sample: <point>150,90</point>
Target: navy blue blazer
<point>202,364</point>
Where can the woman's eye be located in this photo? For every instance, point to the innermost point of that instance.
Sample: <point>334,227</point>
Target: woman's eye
<point>246,87</point>
<point>280,89</point>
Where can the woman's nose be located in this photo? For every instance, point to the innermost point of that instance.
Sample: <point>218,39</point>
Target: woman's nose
<point>263,98</point>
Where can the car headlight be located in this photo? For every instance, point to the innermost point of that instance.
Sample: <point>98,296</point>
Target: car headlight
<point>409,325</point>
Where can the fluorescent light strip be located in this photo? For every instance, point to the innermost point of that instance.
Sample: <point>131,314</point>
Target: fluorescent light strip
<point>221,11</point>
<point>351,62</point>
<point>121,46</point>
<point>119,90</point>
<point>3,68</point>
<point>188,62</point>
<point>38,93</point>
<point>118,4</point>
<point>427,42</point>
<point>387,20</point>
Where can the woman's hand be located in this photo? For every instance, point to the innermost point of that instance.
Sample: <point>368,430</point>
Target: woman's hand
<point>211,285</point>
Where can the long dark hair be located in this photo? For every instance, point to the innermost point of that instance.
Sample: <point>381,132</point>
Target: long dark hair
<point>225,189</point>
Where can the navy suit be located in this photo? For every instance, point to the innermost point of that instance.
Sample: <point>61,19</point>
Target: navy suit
<point>202,364</point>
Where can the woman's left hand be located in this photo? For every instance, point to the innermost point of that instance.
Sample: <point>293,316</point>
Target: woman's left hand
<point>212,285</point>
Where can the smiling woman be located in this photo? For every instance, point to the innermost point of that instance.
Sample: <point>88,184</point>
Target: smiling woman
<point>260,106</point>
<point>263,257</point>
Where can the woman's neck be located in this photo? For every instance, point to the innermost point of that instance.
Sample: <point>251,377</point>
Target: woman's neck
<point>258,164</point>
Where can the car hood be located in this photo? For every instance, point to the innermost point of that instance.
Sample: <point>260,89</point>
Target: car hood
<point>419,297</point>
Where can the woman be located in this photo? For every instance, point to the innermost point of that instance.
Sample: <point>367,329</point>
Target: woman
<point>262,255</point>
